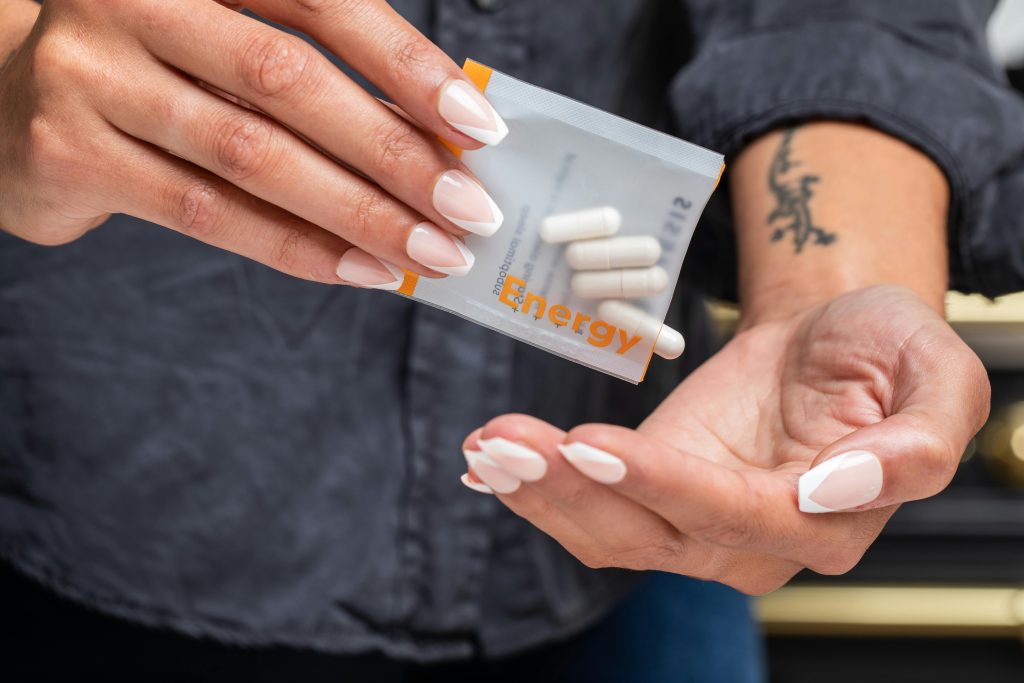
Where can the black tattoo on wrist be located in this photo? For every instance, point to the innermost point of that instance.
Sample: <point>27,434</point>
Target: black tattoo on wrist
<point>793,194</point>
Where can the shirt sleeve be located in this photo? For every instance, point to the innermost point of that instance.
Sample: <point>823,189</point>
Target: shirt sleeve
<point>918,70</point>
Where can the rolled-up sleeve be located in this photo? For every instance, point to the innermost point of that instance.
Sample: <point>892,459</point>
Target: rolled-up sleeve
<point>919,70</point>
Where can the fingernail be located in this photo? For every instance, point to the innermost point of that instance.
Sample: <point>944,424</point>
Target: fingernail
<point>466,109</point>
<point>359,268</point>
<point>593,462</point>
<point>492,475</point>
<point>476,486</point>
<point>461,200</point>
<point>516,459</point>
<point>439,250</point>
<point>840,483</point>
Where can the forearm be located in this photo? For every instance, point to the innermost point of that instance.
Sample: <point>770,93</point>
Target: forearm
<point>825,208</point>
<point>16,19</point>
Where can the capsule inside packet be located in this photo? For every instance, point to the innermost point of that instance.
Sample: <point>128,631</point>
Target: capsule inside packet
<point>562,156</point>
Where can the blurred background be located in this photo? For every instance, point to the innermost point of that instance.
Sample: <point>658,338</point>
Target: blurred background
<point>940,596</point>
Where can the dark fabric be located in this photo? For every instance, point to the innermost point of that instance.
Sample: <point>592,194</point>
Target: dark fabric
<point>918,69</point>
<point>192,441</point>
<point>670,628</point>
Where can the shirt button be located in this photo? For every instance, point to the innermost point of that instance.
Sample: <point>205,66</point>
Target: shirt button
<point>489,5</point>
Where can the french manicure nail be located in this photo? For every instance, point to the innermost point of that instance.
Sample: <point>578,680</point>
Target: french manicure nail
<point>439,250</point>
<point>491,474</point>
<point>516,459</point>
<point>466,109</point>
<point>593,462</point>
<point>461,200</point>
<point>359,268</point>
<point>476,486</point>
<point>840,483</point>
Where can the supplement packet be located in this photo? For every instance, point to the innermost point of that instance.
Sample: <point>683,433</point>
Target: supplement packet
<point>562,156</point>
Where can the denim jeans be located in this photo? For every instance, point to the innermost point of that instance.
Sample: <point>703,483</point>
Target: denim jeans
<point>671,629</point>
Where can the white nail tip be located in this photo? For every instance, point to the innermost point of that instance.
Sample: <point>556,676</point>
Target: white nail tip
<point>458,271</point>
<point>475,486</point>
<point>391,286</point>
<point>482,228</point>
<point>488,137</point>
<point>523,462</point>
<point>593,462</point>
<point>491,473</point>
<point>397,272</point>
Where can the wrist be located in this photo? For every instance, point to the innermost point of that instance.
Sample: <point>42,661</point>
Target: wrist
<point>827,208</point>
<point>780,298</point>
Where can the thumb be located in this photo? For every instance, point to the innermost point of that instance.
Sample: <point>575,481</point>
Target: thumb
<point>898,459</point>
<point>914,452</point>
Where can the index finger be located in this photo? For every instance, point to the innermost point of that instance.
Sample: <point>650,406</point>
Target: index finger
<point>385,48</point>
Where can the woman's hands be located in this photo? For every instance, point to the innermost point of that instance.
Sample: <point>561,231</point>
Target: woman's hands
<point>708,485</point>
<point>199,118</point>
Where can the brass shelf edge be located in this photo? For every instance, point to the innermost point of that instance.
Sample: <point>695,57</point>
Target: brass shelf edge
<point>911,611</point>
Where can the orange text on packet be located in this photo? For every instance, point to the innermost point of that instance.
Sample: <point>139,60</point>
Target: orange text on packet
<point>601,334</point>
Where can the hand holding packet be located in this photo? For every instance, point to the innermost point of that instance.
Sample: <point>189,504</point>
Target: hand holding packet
<point>560,157</point>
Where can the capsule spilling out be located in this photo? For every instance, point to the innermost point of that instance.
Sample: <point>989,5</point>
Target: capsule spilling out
<point>613,252</point>
<point>633,321</point>
<point>581,225</point>
<point>619,284</point>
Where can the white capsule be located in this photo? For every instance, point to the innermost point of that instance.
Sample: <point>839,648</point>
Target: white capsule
<point>669,344</point>
<point>581,225</point>
<point>615,252</point>
<point>619,284</point>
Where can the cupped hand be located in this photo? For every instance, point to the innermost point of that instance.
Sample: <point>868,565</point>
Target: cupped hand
<point>850,408</point>
<point>202,119</point>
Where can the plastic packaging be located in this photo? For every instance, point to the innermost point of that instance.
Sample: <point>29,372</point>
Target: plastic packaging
<point>562,157</point>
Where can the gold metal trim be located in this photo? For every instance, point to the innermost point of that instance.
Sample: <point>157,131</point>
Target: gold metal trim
<point>894,611</point>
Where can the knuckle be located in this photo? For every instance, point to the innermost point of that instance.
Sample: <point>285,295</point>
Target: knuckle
<point>288,253</point>
<point>367,206</point>
<point>395,142</point>
<point>662,554</point>
<point>198,208</point>
<point>839,562</point>
<point>755,586</point>
<point>243,144</point>
<point>767,576</point>
<point>408,55</point>
<point>938,459</point>
<point>315,9</point>
<point>274,65</point>
<point>709,562</point>
<point>48,158</point>
<point>726,531</point>
<point>593,560</point>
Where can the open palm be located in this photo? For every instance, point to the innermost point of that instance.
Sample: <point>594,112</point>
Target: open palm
<point>874,387</point>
